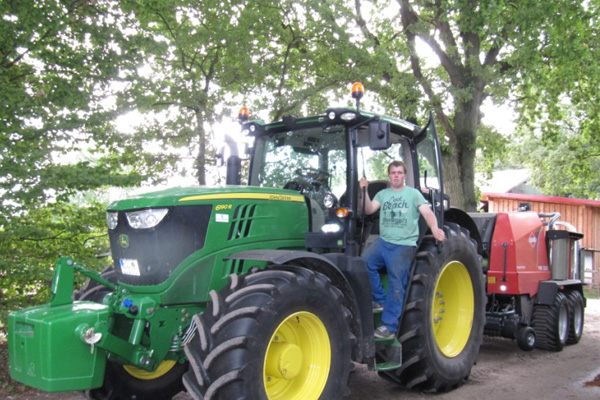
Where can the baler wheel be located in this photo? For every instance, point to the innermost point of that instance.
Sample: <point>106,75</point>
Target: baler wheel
<point>551,323</point>
<point>441,329</point>
<point>576,309</point>
<point>526,338</point>
<point>278,334</point>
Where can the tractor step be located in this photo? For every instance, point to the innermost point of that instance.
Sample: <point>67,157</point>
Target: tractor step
<point>386,341</point>
<point>393,353</point>
<point>387,366</point>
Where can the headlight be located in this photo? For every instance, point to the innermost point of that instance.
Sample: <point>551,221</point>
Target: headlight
<point>348,116</point>
<point>112,218</point>
<point>331,228</point>
<point>329,200</point>
<point>146,219</point>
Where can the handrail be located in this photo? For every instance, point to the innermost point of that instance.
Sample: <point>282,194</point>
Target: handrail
<point>553,218</point>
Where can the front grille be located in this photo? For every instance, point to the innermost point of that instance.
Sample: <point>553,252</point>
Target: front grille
<point>237,267</point>
<point>156,252</point>
<point>242,221</point>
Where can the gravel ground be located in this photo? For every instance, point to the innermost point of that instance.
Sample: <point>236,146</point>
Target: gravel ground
<point>503,372</point>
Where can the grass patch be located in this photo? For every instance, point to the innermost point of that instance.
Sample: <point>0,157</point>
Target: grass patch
<point>591,293</point>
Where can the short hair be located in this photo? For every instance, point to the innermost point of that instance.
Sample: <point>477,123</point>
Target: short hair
<point>396,163</point>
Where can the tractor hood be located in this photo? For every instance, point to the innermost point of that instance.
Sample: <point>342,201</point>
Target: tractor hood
<point>153,234</point>
<point>201,194</point>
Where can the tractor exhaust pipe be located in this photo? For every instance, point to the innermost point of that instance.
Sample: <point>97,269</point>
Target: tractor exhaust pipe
<point>234,163</point>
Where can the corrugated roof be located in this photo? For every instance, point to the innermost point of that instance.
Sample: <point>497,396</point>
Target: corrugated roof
<point>503,181</point>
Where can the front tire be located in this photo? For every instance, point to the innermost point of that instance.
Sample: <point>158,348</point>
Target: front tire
<point>279,334</point>
<point>124,382</point>
<point>442,325</point>
<point>94,291</point>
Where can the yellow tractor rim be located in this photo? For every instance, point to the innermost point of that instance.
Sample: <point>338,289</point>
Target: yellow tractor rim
<point>453,309</point>
<point>164,367</point>
<point>298,359</point>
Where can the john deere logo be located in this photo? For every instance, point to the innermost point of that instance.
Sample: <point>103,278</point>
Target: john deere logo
<point>124,241</point>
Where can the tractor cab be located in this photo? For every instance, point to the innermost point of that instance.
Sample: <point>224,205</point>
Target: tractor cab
<point>323,157</point>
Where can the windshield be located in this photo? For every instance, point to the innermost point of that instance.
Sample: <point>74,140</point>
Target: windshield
<point>311,161</point>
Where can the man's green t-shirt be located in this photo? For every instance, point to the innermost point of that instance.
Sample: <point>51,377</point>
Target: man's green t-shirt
<point>399,215</point>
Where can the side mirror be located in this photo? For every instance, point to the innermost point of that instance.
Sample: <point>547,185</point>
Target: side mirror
<point>379,135</point>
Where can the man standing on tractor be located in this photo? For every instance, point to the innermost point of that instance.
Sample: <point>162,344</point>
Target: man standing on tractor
<point>395,248</point>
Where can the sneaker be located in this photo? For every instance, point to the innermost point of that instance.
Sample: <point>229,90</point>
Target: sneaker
<point>377,306</point>
<point>384,333</point>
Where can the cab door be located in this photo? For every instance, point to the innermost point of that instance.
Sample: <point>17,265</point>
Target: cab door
<point>429,161</point>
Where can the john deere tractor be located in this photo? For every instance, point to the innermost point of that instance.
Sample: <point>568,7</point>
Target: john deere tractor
<point>258,291</point>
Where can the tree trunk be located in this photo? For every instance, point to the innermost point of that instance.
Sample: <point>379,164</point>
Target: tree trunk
<point>452,185</point>
<point>459,164</point>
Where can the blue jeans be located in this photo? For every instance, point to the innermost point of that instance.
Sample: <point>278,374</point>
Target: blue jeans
<point>397,259</point>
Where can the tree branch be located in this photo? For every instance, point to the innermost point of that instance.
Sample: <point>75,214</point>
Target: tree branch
<point>363,24</point>
<point>471,41</point>
<point>167,25</point>
<point>452,65</point>
<point>300,100</point>
<point>409,20</point>
<point>93,238</point>
<point>446,34</point>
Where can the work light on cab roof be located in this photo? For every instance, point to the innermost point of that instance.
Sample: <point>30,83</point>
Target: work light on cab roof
<point>357,93</point>
<point>243,114</point>
<point>358,90</point>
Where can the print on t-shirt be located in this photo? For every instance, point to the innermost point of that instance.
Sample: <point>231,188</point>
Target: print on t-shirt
<point>399,215</point>
<point>394,212</point>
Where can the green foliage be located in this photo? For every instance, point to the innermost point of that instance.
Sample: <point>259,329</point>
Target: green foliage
<point>560,105</point>
<point>460,52</point>
<point>379,164</point>
<point>59,65</point>
<point>561,52</point>
<point>564,160</point>
<point>492,150</point>
<point>31,243</point>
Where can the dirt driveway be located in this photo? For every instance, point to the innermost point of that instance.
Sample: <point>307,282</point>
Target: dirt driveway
<point>503,372</point>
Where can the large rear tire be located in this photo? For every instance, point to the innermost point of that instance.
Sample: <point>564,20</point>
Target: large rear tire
<point>126,382</point>
<point>442,325</point>
<point>551,323</point>
<point>279,334</point>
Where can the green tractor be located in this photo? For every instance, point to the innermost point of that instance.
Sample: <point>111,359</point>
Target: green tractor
<point>258,292</point>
